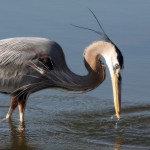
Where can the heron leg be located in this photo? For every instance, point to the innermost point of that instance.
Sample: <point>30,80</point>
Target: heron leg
<point>13,105</point>
<point>21,107</point>
<point>20,102</point>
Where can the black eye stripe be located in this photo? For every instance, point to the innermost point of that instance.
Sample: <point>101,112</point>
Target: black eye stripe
<point>120,57</point>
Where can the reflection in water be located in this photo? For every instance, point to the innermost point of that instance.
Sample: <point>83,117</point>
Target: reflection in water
<point>117,144</point>
<point>18,140</point>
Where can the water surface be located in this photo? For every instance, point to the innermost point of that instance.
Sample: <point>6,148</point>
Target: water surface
<point>60,120</point>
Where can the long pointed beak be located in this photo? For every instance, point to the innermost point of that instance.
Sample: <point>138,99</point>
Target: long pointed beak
<point>116,85</point>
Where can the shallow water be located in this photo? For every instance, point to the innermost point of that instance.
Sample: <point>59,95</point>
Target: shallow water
<point>60,120</point>
<point>76,122</point>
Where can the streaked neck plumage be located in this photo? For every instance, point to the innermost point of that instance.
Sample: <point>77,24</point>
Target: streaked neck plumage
<point>96,70</point>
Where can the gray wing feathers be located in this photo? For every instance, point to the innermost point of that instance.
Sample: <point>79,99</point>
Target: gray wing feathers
<point>19,50</point>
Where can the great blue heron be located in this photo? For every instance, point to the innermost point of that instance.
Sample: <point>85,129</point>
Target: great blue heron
<point>30,64</point>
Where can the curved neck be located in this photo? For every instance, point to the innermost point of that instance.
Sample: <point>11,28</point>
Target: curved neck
<point>84,83</point>
<point>66,79</point>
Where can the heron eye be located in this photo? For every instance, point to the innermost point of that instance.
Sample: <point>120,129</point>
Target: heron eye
<point>101,60</point>
<point>117,66</point>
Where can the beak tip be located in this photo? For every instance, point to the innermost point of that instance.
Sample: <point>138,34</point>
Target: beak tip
<point>118,115</point>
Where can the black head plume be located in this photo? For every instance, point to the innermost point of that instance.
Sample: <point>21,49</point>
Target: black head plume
<point>102,34</point>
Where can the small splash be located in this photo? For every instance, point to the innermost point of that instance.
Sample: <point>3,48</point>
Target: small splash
<point>116,126</point>
<point>113,117</point>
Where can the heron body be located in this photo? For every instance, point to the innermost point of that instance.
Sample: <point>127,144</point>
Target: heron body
<point>28,65</point>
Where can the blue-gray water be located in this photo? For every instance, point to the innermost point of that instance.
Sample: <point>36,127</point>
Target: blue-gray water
<point>59,120</point>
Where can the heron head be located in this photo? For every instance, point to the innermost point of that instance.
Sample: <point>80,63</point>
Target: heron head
<point>114,61</point>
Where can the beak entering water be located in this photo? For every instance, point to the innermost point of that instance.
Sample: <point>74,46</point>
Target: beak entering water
<point>116,85</point>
